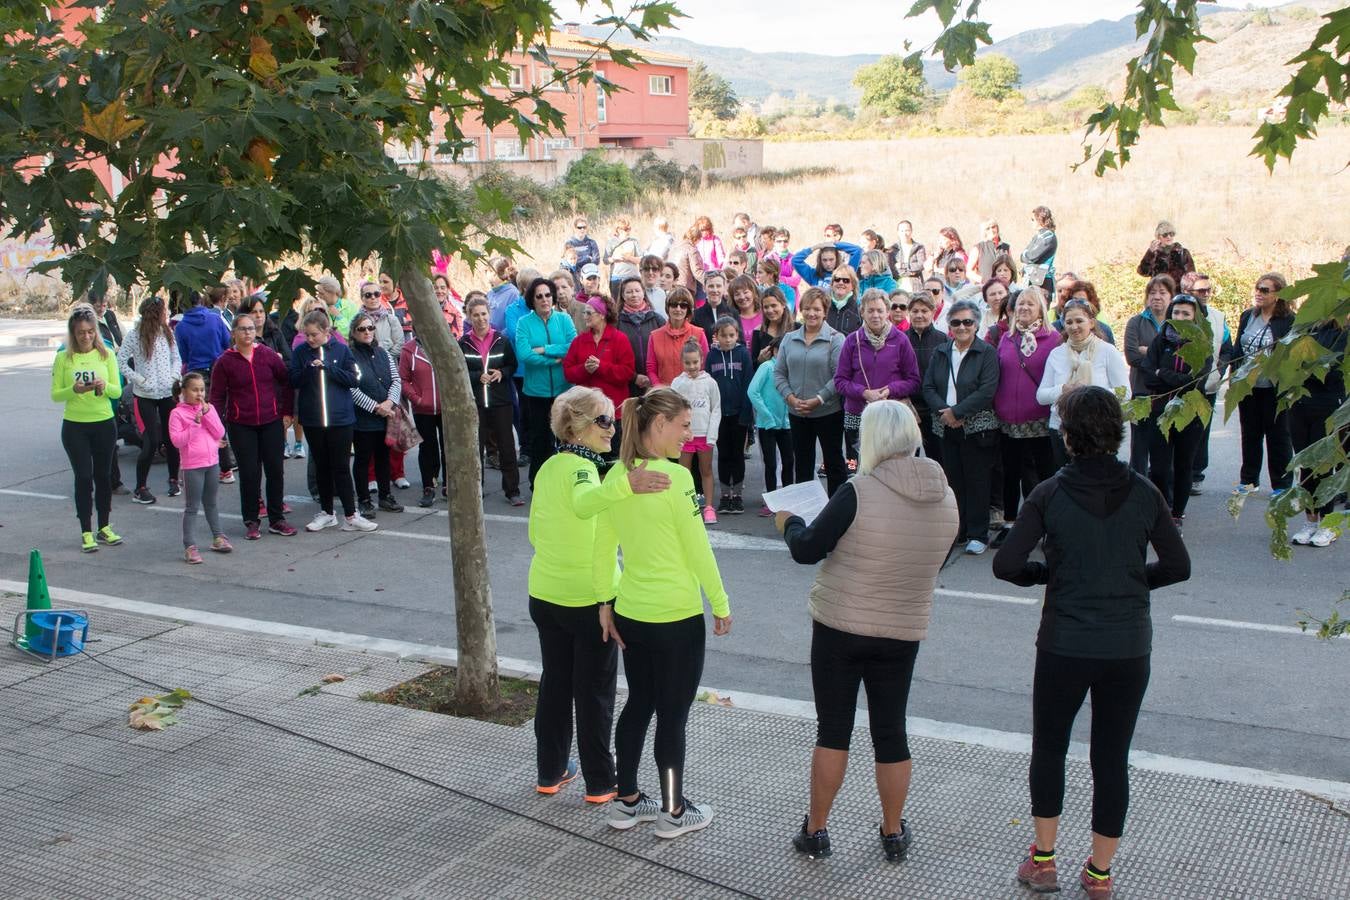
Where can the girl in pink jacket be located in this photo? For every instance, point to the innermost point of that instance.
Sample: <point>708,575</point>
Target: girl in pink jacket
<point>196,430</point>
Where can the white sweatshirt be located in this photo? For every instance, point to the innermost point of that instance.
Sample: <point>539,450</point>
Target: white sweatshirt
<point>705,400</point>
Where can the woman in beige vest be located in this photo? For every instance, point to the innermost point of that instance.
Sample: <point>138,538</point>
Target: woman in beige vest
<point>884,535</point>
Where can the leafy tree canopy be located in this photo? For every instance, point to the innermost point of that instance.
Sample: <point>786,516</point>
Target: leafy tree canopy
<point>890,88</point>
<point>993,76</point>
<point>711,93</point>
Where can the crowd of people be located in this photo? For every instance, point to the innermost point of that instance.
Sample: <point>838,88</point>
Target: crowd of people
<point>957,398</point>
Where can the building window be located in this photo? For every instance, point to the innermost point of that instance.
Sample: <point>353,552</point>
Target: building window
<point>601,114</point>
<point>661,85</point>
<point>405,154</point>
<point>467,152</point>
<point>508,148</point>
<point>517,77</point>
<point>551,144</point>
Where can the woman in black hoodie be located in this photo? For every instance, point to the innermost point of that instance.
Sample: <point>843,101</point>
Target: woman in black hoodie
<point>1168,377</point>
<point>1097,518</point>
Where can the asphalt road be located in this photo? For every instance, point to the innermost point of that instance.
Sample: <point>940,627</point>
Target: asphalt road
<point>1234,695</point>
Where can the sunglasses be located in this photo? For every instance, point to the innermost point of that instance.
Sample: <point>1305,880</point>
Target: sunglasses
<point>955,269</point>
<point>365,328</point>
<point>900,306</point>
<point>1264,289</point>
<point>604,421</point>
<point>1201,292</point>
<point>581,226</point>
<point>842,281</point>
<point>544,295</point>
<point>935,291</point>
<point>679,305</point>
<point>961,323</point>
<point>366,295</point>
<point>1168,234</point>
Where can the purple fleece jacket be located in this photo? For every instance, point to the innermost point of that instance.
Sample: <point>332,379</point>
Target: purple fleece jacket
<point>1015,399</point>
<point>862,368</point>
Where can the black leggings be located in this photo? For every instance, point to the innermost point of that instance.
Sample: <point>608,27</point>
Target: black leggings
<point>259,450</point>
<point>430,453</point>
<point>90,446</point>
<point>495,421</point>
<point>1307,425</point>
<point>663,663</point>
<point>829,431</point>
<point>155,417</point>
<point>331,450</point>
<point>775,444</point>
<point>1026,463</point>
<point>1171,461</point>
<point>731,451</point>
<point>1261,422</point>
<point>1062,683</point>
<point>534,416</point>
<point>884,666</point>
<point>580,671</point>
<point>370,446</point>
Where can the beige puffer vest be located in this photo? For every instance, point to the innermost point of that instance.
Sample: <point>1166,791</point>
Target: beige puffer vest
<point>879,579</point>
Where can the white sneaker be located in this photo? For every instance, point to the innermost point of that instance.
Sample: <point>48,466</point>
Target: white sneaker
<point>358,522</point>
<point>1303,537</point>
<point>299,450</point>
<point>321,521</point>
<point>227,477</point>
<point>694,818</point>
<point>1323,537</point>
<point>622,817</point>
<point>372,486</point>
<point>286,450</point>
<point>975,548</point>
<point>402,483</point>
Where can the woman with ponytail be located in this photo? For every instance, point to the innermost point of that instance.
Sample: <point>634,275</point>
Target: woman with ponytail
<point>656,611</point>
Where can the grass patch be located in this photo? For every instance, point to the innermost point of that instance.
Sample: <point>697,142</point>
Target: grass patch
<point>434,691</point>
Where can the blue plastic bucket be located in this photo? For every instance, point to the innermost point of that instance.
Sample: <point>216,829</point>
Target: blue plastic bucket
<point>63,630</point>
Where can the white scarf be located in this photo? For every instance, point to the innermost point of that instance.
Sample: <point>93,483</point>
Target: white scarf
<point>1080,360</point>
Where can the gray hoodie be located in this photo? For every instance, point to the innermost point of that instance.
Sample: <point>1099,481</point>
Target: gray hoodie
<point>807,370</point>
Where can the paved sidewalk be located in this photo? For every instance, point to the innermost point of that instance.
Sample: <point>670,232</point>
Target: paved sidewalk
<point>221,805</point>
<point>32,333</point>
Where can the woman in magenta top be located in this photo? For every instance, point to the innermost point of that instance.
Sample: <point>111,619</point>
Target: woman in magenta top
<point>1025,423</point>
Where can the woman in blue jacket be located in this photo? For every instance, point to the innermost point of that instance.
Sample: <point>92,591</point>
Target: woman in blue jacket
<point>542,340</point>
<point>324,371</point>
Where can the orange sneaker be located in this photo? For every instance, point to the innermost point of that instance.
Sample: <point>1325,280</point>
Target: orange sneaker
<point>568,776</point>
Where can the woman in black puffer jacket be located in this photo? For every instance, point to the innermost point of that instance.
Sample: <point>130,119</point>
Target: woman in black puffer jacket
<point>376,395</point>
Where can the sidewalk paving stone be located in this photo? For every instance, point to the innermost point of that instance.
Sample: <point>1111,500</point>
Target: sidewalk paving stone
<point>412,804</point>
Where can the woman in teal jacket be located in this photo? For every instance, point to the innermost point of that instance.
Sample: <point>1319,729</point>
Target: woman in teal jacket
<point>771,418</point>
<point>542,340</point>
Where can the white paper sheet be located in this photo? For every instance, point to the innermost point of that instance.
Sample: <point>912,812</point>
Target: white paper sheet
<point>806,499</point>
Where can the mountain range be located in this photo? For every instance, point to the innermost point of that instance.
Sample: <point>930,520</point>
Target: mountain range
<point>1247,57</point>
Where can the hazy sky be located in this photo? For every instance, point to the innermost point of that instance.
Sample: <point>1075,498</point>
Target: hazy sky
<point>861,26</point>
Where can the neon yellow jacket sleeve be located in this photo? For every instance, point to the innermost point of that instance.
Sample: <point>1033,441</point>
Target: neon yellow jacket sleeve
<point>590,496</point>
<point>698,552</point>
<point>605,551</point>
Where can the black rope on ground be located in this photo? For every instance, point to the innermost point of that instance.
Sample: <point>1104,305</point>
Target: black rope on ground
<point>432,782</point>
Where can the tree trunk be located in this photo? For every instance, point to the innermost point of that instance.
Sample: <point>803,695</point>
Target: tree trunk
<point>476,687</point>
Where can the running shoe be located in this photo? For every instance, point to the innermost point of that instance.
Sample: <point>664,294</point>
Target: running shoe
<point>622,816</point>
<point>1041,877</point>
<point>737,506</point>
<point>107,536</point>
<point>428,498</point>
<point>286,451</point>
<point>174,488</point>
<point>282,527</point>
<point>975,548</point>
<point>299,452</point>
<point>321,521</point>
<point>87,542</point>
<point>694,817</point>
<point>815,844</point>
<point>389,504</point>
<point>709,516</point>
<point>366,508</point>
<point>1096,887</point>
<point>221,544</point>
<point>895,846</point>
<point>765,512</point>
<point>142,495</point>
<point>598,797</point>
<point>568,776</point>
<point>516,500</point>
<point>402,483</point>
<point>358,522</point>
<point>1243,490</point>
<point>1277,493</point>
<point>1322,537</point>
<point>724,505</point>
<point>227,477</point>
<point>1303,537</point>
<point>252,531</point>
<point>192,557</point>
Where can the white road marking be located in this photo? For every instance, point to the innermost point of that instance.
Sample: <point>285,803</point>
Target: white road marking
<point>14,493</point>
<point>1247,626</point>
<point>999,598</point>
<point>1007,741</point>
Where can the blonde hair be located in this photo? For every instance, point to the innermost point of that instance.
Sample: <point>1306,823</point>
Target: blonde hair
<point>813,294</point>
<point>574,410</point>
<point>1038,295</point>
<point>877,260</point>
<point>888,429</point>
<point>638,415</point>
<point>80,312</point>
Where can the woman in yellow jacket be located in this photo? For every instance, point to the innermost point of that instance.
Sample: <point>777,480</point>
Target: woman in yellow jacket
<point>580,667</point>
<point>86,379</point>
<point>657,615</point>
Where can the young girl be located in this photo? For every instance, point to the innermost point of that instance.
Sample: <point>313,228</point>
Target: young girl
<point>771,418</point>
<point>705,399</point>
<point>195,429</point>
<point>729,366</point>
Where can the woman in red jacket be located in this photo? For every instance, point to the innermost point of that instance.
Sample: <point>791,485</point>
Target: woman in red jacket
<point>601,357</point>
<point>251,389</point>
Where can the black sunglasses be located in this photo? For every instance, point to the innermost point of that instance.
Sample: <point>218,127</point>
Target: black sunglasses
<point>961,323</point>
<point>1265,289</point>
<point>604,421</point>
<point>935,291</point>
<point>367,294</point>
<point>543,295</point>
<point>364,328</point>
<point>680,304</point>
<point>899,306</point>
<point>842,281</point>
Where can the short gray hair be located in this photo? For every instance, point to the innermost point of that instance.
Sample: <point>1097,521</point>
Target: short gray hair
<point>969,306</point>
<point>328,281</point>
<point>873,294</point>
<point>888,429</point>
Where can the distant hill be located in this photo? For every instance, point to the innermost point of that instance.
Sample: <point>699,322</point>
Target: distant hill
<point>1247,58</point>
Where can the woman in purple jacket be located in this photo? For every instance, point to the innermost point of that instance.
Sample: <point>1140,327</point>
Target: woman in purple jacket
<point>877,362</point>
<point>1027,457</point>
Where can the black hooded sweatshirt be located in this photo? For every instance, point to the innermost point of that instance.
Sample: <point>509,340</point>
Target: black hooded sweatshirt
<point>1098,518</point>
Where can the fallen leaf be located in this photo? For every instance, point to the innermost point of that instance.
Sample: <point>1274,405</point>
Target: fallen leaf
<point>334,678</point>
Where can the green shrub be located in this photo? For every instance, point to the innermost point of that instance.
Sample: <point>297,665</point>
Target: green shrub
<point>655,174</point>
<point>593,185</point>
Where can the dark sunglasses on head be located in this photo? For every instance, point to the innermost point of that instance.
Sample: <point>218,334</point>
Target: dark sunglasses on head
<point>1079,303</point>
<point>604,421</point>
<point>961,323</point>
<point>366,295</point>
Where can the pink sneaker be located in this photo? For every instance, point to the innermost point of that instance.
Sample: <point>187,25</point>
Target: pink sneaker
<point>1095,886</point>
<point>709,516</point>
<point>765,512</point>
<point>1041,877</point>
<point>192,557</point>
<point>221,544</point>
